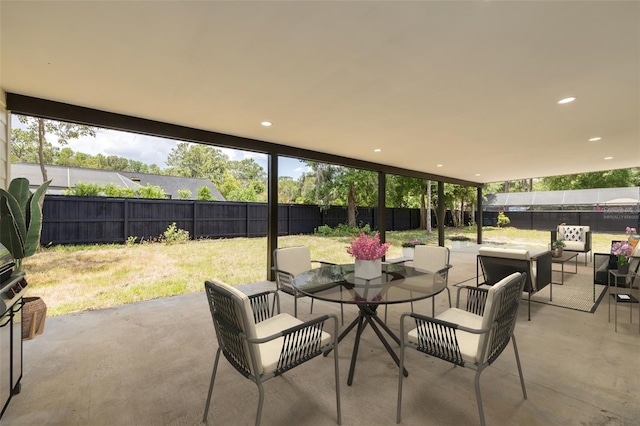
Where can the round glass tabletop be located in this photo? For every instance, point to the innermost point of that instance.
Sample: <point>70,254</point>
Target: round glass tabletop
<point>396,284</point>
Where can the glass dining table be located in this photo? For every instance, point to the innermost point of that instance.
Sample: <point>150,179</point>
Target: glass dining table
<point>397,284</point>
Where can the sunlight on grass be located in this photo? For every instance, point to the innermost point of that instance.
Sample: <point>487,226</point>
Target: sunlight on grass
<point>78,278</point>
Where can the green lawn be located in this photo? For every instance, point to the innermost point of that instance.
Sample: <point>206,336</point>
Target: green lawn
<point>78,278</point>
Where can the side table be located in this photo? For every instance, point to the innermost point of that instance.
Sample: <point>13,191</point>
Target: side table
<point>621,297</point>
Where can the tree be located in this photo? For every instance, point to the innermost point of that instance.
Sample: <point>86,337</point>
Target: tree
<point>184,194</point>
<point>151,191</point>
<point>35,133</point>
<point>345,186</point>
<point>198,161</point>
<point>204,193</point>
<point>288,190</point>
<point>85,190</point>
<point>606,179</point>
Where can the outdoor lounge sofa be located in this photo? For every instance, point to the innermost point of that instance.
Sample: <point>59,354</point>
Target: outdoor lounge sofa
<point>495,263</point>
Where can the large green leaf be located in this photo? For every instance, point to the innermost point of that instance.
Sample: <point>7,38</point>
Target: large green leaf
<point>9,236</point>
<point>34,225</point>
<point>12,209</point>
<point>19,188</point>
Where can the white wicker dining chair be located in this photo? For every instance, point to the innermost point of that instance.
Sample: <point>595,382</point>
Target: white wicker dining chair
<point>473,337</point>
<point>260,345</point>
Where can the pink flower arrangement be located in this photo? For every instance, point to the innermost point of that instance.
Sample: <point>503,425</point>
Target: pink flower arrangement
<point>630,231</point>
<point>365,247</point>
<point>622,249</point>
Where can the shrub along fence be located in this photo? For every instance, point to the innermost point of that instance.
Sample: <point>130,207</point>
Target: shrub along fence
<point>89,220</point>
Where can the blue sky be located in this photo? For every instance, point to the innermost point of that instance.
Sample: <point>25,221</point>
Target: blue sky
<point>154,150</point>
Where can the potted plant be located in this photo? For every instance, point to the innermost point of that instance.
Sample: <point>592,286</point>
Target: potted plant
<point>557,247</point>
<point>622,250</point>
<point>408,248</point>
<point>368,252</point>
<point>20,227</point>
<point>21,218</point>
<point>459,241</point>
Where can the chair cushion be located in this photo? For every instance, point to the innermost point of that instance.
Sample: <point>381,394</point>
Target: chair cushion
<point>294,260</point>
<point>468,342</point>
<point>487,319</point>
<point>574,245</point>
<point>270,351</point>
<point>430,258</point>
<point>518,254</point>
<point>522,254</point>
<point>572,233</point>
<point>244,314</point>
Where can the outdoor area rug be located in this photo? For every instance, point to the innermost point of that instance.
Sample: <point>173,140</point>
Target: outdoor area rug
<point>576,293</point>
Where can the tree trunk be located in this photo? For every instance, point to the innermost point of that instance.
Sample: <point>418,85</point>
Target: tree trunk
<point>506,186</point>
<point>423,213</point>
<point>41,148</point>
<point>351,205</point>
<point>429,230</point>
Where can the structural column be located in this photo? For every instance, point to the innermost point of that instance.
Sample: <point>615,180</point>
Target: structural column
<point>382,206</point>
<point>5,151</point>
<point>479,220</point>
<point>440,211</point>
<point>272,212</point>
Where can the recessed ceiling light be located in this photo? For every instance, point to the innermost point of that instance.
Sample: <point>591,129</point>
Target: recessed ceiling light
<point>567,100</point>
<point>477,174</point>
<point>608,158</point>
<point>597,138</point>
<point>439,165</point>
<point>266,123</point>
<point>377,150</point>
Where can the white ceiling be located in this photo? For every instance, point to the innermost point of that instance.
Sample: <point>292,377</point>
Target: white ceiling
<point>472,86</point>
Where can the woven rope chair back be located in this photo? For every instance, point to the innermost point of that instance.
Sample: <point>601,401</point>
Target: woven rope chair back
<point>505,314</point>
<point>228,320</point>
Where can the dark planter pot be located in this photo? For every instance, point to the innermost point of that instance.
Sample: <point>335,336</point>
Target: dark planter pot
<point>623,269</point>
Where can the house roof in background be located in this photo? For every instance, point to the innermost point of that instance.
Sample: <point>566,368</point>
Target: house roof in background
<point>63,177</point>
<point>172,184</point>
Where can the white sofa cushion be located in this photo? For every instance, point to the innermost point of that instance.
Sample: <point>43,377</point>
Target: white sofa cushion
<point>520,254</point>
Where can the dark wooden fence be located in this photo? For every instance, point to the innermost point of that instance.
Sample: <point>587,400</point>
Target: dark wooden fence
<point>613,220</point>
<point>88,220</point>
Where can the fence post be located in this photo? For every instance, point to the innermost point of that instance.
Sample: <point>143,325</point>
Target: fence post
<point>125,219</point>
<point>195,221</point>
<point>246,215</point>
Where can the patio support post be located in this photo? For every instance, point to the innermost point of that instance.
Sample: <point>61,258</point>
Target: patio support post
<point>272,212</point>
<point>382,208</point>
<point>479,214</point>
<point>441,213</point>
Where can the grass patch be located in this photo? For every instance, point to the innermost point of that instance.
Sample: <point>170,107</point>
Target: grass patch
<point>77,278</point>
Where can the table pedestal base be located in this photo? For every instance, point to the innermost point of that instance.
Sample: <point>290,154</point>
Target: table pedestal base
<point>368,316</point>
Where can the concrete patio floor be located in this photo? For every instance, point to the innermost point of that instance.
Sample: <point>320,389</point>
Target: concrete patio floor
<point>149,363</point>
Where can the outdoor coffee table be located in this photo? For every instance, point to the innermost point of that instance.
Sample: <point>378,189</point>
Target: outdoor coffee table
<point>565,257</point>
<point>397,284</point>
